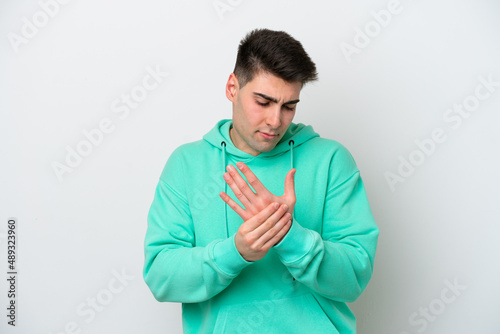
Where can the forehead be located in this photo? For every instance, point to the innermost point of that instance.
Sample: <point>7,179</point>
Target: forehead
<point>271,85</point>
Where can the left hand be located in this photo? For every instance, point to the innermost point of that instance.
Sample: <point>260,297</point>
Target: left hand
<point>255,202</point>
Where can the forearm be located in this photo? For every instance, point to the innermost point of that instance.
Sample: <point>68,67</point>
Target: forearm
<point>175,269</point>
<point>339,270</point>
<point>192,274</point>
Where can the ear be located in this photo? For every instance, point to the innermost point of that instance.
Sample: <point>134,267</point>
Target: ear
<point>232,87</point>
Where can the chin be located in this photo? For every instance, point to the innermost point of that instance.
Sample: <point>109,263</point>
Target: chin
<point>267,148</point>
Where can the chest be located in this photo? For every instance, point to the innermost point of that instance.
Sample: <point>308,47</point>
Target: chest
<point>211,217</point>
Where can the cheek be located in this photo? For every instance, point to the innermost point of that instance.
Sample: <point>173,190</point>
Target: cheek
<point>253,115</point>
<point>287,118</point>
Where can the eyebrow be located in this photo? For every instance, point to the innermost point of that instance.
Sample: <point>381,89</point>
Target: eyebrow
<point>272,99</point>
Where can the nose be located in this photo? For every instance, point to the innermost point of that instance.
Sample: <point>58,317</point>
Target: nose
<point>273,117</point>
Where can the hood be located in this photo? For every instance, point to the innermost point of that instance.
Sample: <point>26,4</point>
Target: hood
<point>295,135</point>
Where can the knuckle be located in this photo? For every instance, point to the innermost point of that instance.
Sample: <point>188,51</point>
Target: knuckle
<point>269,224</point>
<point>262,203</point>
<point>274,230</point>
<point>247,240</point>
<point>258,248</point>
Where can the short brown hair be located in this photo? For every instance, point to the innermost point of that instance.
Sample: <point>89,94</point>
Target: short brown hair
<point>275,52</point>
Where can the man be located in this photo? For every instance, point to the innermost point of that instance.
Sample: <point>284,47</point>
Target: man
<point>268,263</point>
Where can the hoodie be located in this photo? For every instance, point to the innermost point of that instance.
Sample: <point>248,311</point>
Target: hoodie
<point>303,283</point>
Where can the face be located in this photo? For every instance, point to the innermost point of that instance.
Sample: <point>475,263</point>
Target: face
<point>262,111</point>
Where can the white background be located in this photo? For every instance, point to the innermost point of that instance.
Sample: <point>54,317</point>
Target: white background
<point>76,233</point>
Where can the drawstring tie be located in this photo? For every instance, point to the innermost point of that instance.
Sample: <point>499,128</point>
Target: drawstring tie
<point>223,144</point>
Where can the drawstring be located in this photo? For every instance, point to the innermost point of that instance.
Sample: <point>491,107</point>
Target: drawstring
<point>291,143</point>
<point>223,144</point>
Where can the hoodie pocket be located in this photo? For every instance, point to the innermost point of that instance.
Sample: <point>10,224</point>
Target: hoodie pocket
<point>300,314</point>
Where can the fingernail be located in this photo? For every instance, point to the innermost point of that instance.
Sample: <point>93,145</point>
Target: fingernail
<point>276,205</point>
<point>285,207</point>
<point>240,165</point>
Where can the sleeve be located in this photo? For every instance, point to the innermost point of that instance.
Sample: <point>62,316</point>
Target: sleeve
<point>338,263</point>
<point>174,268</point>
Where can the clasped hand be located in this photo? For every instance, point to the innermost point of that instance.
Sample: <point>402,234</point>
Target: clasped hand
<point>267,217</point>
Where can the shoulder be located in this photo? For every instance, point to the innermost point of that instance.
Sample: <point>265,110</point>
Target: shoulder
<point>337,152</point>
<point>338,160</point>
<point>181,156</point>
<point>313,142</point>
<point>189,149</point>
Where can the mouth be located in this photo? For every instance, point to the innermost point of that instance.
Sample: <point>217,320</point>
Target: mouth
<point>268,135</point>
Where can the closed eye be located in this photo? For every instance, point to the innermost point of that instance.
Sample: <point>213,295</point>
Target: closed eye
<point>265,104</point>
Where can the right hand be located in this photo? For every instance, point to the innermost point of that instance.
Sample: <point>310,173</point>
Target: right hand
<point>258,234</point>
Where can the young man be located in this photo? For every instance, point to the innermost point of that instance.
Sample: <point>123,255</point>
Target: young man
<point>221,241</point>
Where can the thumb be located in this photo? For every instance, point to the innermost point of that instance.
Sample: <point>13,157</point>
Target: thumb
<point>290,183</point>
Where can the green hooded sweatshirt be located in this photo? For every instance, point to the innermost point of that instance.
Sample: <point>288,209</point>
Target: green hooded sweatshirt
<point>303,283</point>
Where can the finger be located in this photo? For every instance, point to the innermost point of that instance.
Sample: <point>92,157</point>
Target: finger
<point>282,232</point>
<point>242,188</point>
<point>233,205</point>
<point>269,223</point>
<point>290,184</point>
<point>275,234</point>
<point>257,220</point>
<point>252,179</point>
<point>237,190</point>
